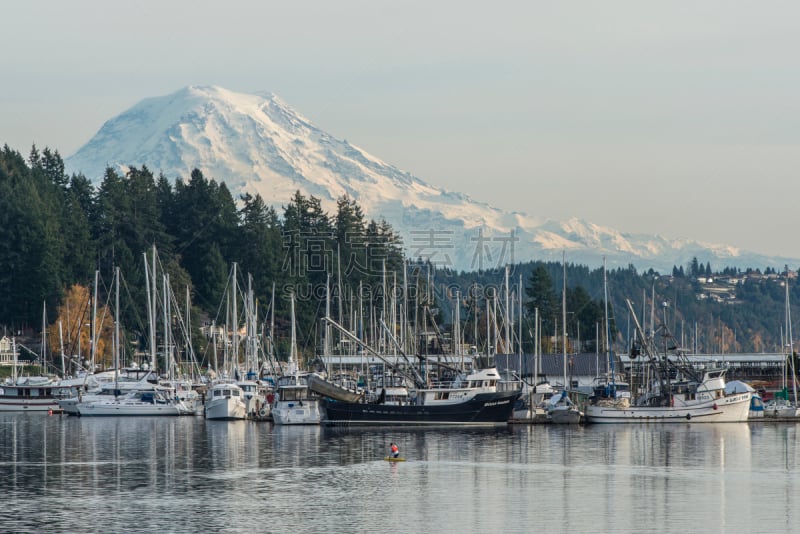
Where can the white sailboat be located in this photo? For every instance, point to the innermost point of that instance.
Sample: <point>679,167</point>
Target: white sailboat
<point>784,407</point>
<point>561,409</point>
<point>143,399</point>
<point>152,400</point>
<point>225,400</point>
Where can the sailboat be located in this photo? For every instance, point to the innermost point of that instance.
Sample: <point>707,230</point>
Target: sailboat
<point>783,407</point>
<point>561,409</point>
<point>609,386</point>
<point>143,399</point>
<point>226,400</point>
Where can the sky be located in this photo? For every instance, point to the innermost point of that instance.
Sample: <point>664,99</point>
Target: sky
<point>660,117</point>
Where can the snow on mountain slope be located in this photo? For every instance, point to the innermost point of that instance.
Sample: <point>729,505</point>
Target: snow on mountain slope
<point>258,144</point>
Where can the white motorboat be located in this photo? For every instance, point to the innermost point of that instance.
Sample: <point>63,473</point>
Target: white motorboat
<point>225,401</point>
<point>295,403</point>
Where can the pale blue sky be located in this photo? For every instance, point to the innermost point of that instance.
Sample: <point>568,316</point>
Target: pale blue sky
<point>669,117</point>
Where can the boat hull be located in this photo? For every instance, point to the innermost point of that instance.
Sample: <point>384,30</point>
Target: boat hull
<point>729,409</point>
<point>33,397</point>
<point>29,405</point>
<point>305,412</point>
<point>226,408</point>
<point>127,409</point>
<point>565,415</point>
<point>482,409</point>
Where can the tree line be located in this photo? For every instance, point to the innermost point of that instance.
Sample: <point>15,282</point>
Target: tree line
<point>59,229</point>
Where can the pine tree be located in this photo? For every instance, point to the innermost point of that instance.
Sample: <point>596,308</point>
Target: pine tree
<point>541,296</point>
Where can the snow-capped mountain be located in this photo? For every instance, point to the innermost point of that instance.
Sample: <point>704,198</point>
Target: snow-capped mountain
<point>258,144</point>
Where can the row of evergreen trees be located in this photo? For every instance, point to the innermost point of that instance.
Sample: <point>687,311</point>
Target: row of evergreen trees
<point>58,229</point>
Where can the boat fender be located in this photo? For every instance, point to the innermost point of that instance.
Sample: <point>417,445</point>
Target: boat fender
<point>715,406</point>
<point>688,417</point>
<point>262,412</point>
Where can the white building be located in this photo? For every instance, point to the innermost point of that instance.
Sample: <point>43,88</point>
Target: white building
<point>6,351</point>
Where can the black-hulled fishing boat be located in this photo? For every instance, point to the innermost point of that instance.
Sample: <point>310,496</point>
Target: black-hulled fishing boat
<point>475,400</point>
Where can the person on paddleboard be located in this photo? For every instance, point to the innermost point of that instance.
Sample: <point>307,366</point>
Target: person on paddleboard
<point>395,450</point>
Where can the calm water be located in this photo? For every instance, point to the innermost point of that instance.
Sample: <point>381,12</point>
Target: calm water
<point>186,474</point>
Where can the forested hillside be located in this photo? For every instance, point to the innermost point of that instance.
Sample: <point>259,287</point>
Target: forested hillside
<point>57,231</point>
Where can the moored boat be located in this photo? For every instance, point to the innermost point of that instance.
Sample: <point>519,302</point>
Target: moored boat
<point>295,403</point>
<point>677,393</point>
<point>475,402</point>
<point>562,411</point>
<point>225,401</point>
<point>33,394</point>
<point>139,402</point>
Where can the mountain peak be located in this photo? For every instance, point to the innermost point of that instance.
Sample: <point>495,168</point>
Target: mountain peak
<point>257,143</point>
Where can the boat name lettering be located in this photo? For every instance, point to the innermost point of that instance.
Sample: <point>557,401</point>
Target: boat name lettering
<point>496,403</point>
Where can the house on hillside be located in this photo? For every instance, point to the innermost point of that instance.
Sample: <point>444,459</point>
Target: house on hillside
<point>7,348</point>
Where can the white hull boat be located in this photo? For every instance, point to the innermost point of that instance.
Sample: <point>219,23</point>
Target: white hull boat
<point>33,394</point>
<point>135,403</point>
<point>707,402</point>
<point>225,401</point>
<point>295,403</point>
<point>677,393</point>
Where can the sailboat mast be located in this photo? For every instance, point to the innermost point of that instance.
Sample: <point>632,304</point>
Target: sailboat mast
<point>61,341</point>
<point>293,347</point>
<point>608,328</point>
<point>167,352</point>
<point>404,315</point>
<point>535,346</point>
<point>519,335</point>
<point>94,322</point>
<point>457,330</point>
<point>326,347</point>
<point>791,342</point>
<point>116,329</point>
<point>564,316</point>
<point>235,318</point>
<point>272,324</point>
<point>189,348</point>
<point>506,320</point>
<point>44,339</point>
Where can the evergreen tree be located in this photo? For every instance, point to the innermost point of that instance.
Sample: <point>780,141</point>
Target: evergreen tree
<point>542,296</point>
<point>205,222</point>
<point>30,270</point>
<point>260,250</point>
<point>350,231</point>
<point>587,314</point>
<point>694,268</point>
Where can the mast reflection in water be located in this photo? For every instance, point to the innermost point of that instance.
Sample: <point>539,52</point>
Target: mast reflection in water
<point>186,474</point>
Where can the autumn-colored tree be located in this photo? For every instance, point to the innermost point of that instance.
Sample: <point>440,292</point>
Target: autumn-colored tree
<point>73,327</point>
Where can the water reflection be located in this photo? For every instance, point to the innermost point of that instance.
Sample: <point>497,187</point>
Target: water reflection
<point>178,474</point>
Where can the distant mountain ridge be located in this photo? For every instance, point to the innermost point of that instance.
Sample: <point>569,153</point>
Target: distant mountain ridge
<point>258,144</point>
